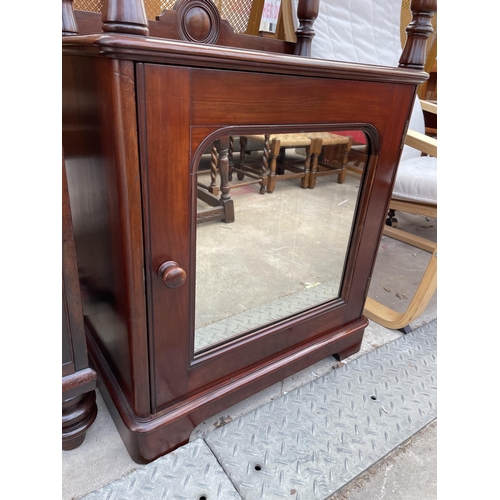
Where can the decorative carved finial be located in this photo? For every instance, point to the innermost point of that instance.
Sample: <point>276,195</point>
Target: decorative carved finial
<point>307,12</point>
<point>198,21</point>
<point>69,26</point>
<point>125,16</point>
<point>418,32</point>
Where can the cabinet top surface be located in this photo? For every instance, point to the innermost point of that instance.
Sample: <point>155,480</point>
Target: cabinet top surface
<point>162,51</point>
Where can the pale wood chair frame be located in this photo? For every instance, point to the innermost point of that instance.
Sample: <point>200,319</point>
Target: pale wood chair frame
<point>374,310</point>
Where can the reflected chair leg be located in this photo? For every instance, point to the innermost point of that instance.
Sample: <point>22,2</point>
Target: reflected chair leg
<point>280,166</point>
<point>223,166</point>
<point>243,145</point>
<point>213,188</point>
<point>230,156</point>
<point>273,156</point>
<point>316,145</point>
<point>304,181</point>
<point>264,183</point>
<point>341,177</point>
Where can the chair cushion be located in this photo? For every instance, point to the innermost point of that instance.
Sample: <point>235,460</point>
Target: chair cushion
<point>363,31</point>
<point>416,180</point>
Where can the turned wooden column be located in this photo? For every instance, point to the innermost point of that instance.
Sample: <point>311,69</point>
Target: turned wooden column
<point>222,146</point>
<point>307,12</point>
<point>418,32</point>
<point>231,157</point>
<point>214,159</point>
<point>69,26</point>
<point>125,16</point>
<point>273,153</point>
<point>243,144</point>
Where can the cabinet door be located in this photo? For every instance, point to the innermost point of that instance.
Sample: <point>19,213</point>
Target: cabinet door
<point>182,112</point>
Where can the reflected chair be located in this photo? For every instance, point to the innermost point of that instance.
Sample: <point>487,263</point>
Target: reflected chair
<point>415,187</point>
<point>218,198</point>
<point>274,164</point>
<point>333,157</point>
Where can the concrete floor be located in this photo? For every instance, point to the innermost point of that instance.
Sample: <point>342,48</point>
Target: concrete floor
<point>409,472</point>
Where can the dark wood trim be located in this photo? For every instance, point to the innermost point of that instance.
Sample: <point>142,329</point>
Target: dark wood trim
<point>182,54</point>
<point>147,439</point>
<point>81,381</point>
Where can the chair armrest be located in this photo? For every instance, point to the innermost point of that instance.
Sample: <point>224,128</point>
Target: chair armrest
<point>421,142</point>
<point>429,106</point>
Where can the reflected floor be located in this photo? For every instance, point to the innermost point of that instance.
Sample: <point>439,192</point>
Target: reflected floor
<point>284,253</point>
<point>265,314</point>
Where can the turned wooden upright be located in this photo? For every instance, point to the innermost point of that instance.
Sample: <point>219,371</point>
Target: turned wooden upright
<point>199,21</point>
<point>418,32</point>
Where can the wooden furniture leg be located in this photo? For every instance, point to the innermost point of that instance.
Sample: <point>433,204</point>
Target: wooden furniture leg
<point>345,159</point>
<point>273,157</point>
<point>223,205</point>
<point>316,146</point>
<point>333,157</point>
<point>78,414</point>
<point>257,172</point>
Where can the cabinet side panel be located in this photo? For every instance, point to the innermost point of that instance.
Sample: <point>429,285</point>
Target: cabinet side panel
<point>73,333</point>
<point>100,145</point>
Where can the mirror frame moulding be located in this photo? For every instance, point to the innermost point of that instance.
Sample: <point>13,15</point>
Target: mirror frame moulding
<point>373,142</point>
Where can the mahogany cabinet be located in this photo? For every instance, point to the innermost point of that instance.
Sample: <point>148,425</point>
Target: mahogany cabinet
<point>79,407</point>
<point>138,114</point>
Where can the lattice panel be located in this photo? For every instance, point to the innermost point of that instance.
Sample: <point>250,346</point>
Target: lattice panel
<point>237,12</point>
<point>88,5</point>
<point>153,7</point>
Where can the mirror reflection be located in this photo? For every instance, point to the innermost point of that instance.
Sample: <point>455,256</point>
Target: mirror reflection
<point>274,220</point>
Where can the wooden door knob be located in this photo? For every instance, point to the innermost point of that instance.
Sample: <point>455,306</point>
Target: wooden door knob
<point>171,274</point>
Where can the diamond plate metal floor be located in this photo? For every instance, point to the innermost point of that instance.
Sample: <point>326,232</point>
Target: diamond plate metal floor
<point>310,442</point>
<point>188,473</point>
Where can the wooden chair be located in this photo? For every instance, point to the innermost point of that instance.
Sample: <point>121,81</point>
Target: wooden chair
<point>415,192</point>
<point>415,188</point>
